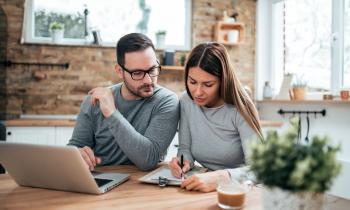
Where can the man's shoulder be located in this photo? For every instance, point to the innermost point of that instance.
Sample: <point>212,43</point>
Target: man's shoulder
<point>162,93</point>
<point>115,89</point>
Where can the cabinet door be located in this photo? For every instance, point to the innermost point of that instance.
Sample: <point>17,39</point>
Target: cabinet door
<point>63,135</point>
<point>32,135</point>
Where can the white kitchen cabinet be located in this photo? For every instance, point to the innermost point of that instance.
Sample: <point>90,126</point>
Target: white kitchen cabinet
<point>39,135</point>
<point>33,135</point>
<point>63,134</point>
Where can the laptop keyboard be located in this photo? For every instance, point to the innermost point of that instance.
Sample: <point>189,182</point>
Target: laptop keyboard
<point>101,182</point>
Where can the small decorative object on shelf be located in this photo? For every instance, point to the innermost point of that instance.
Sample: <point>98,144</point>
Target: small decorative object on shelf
<point>169,58</point>
<point>285,90</point>
<point>267,92</point>
<point>227,19</point>
<point>327,96</point>
<point>344,95</point>
<point>182,59</point>
<point>295,175</point>
<point>97,37</point>
<point>299,89</point>
<point>57,30</point>
<point>229,33</point>
<point>160,39</point>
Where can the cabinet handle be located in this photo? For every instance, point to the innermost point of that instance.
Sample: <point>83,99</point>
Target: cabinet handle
<point>9,133</point>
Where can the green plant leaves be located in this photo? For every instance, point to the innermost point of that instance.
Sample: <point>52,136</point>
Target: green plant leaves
<point>282,162</point>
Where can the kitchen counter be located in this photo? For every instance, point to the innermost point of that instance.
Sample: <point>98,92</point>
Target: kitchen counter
<point>40,123</point>
<point>306,102</point>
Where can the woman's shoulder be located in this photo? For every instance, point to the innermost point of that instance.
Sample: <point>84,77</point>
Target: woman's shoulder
<point>236,116</point>
<point>185,98</point>
<point>186,103</point>
<point>230,108</point>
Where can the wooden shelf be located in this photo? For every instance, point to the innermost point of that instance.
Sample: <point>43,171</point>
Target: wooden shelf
<point>222,30</point>
<point>269,123</point>
<point>173,68</point>
<point>303,102</point>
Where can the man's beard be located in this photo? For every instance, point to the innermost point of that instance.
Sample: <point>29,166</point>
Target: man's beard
<point>138,92</point>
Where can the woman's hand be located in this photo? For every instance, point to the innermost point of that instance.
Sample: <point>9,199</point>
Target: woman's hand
<point>205,182</point>
<point>176,169</point>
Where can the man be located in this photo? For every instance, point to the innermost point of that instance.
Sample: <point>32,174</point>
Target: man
<point>131,122</point>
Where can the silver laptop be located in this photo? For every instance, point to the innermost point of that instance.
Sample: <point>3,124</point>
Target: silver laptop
<point>55,167</point>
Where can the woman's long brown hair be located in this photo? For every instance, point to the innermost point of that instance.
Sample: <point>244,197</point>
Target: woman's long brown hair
<point>213,58</point>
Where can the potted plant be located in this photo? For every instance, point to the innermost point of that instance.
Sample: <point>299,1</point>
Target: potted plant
<point>299,88</point>
<point>56,29</point>
<point>160,39</point>
<point>295,175</point>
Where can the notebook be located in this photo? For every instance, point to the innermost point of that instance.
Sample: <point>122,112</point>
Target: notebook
<point>55,167</point>
<point>162,176</point>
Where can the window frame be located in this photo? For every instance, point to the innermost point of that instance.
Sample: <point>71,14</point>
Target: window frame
<point>28,31</point>
<point>266,48</point>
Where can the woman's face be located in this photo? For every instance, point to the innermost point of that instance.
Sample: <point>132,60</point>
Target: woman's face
<point>204,87</point>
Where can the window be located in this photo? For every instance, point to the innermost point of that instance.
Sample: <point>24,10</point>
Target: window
<point>111,19</point>
<point>309,38</point>
<point>347,44</point>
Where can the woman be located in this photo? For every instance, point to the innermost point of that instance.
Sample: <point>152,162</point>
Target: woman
<point>218,119</point>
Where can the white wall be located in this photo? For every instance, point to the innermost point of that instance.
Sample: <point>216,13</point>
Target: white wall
<point>336,125</point>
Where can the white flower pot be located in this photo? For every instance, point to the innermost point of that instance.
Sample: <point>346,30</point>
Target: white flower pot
<point>57,35</point>
<point>277,199</point>
<point>160,41</point>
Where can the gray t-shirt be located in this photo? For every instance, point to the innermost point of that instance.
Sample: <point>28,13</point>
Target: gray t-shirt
<point>138,132</point>
<point>217,138</point>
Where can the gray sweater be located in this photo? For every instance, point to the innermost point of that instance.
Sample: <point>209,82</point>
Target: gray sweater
<point>217,137</point>
<point>138,132</point>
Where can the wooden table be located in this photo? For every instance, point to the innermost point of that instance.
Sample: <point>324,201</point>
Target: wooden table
<point>130,195</point>
<point>71,123</point>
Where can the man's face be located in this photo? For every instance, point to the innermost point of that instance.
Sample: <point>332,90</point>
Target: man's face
<point>138,61</point>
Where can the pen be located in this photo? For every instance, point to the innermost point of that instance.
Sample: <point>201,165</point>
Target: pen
<point>182,165</point>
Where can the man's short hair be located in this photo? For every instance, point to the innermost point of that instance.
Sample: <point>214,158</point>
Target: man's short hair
<point>131,43</point>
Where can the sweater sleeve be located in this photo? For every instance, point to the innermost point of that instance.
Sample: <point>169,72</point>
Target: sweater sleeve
<point>146,150</point>
<point>184,131</point>
<point>83,131</point>
<point>247,136</point>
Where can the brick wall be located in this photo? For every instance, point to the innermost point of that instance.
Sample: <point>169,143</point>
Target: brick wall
<point>56,90</point>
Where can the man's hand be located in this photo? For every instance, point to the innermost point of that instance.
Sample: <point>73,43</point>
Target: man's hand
<point>89,157</point>
<point>105,98</point>
<point>205,182</point>
<point>175,168</point>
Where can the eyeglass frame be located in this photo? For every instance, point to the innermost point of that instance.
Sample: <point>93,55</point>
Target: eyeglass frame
<point>143,71</point>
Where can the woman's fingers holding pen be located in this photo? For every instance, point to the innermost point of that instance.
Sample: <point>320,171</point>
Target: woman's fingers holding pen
<point>186,167</point>
<point>175,167</point>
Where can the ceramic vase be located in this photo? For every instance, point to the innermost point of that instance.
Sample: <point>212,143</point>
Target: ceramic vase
<point>278,199</point>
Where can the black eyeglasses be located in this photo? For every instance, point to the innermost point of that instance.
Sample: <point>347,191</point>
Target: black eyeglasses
<point>139,74</point>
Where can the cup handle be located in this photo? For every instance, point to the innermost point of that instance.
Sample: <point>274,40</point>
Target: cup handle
<point>248,184</point>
